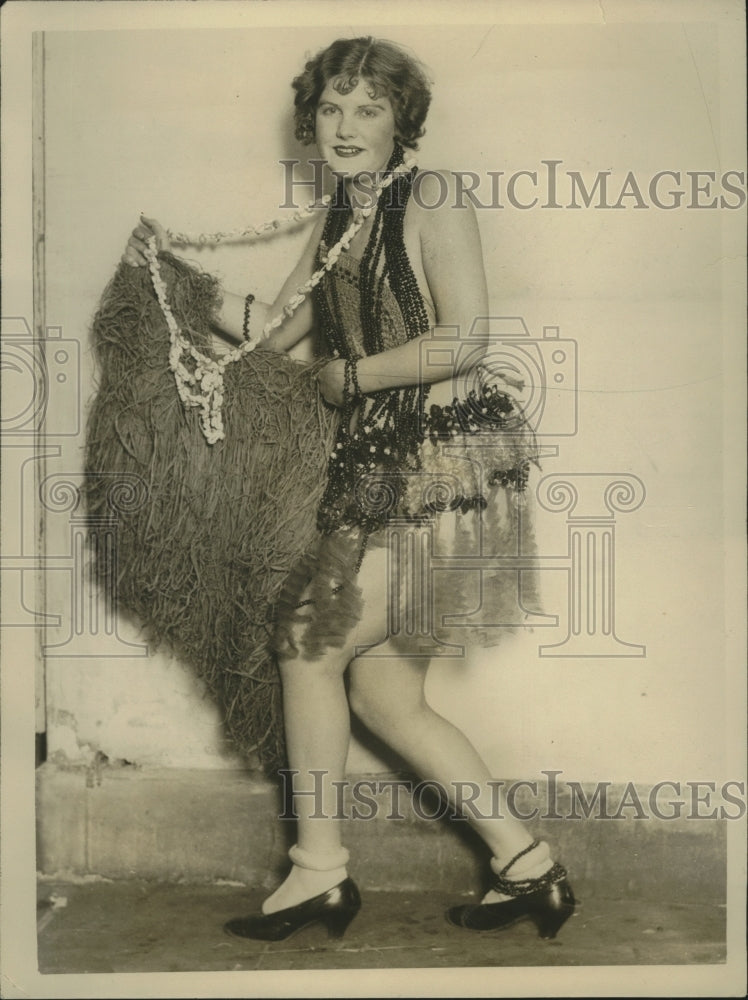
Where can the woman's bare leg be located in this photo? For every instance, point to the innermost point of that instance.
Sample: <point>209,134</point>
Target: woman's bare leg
<point>387,693</point>
<point>317,725</point>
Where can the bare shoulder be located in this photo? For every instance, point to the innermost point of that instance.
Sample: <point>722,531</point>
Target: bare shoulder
<point>438,208</point>
<point>445,233</point>
<point>435,188</point>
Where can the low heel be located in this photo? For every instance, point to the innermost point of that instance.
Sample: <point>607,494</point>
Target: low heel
<point>333,909</point>
<point>549,907</point>
<point>337,923</point>
<point>549,924</point>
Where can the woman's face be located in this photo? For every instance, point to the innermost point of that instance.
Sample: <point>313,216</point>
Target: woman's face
<point>354,132</point>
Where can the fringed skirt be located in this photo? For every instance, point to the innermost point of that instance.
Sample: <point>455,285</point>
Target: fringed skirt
<point>460,547</point>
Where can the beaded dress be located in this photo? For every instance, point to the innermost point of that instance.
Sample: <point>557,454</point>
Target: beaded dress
<point>443,486</point>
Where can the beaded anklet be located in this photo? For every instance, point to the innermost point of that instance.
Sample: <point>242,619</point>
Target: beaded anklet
<point>523,886</point>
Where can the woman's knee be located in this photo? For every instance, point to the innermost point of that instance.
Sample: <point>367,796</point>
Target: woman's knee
<point>383,690</point>
<point>331,664</point>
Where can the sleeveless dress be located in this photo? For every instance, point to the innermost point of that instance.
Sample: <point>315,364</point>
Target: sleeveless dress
<point>455,513</point>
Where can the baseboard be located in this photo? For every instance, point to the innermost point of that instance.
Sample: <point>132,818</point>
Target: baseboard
<point>186,825</point>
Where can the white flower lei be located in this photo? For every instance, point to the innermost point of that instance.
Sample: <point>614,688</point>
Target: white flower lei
<point>201,385</point>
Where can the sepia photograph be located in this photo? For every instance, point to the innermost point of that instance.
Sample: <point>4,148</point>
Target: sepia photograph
<point>373,498</point>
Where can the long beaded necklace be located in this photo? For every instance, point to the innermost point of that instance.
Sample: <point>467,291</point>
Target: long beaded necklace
<point>199,377</point>
<point>367,470</point>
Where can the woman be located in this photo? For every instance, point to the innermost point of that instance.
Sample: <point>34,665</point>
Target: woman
<point>388,270</point>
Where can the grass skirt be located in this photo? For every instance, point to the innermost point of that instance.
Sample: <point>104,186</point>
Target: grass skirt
<point>201,561</point>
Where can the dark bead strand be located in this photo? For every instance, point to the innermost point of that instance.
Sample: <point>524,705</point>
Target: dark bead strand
<point>402,279</point>
<point>354,378</point>
<point>247,306</point>
<point>378,306</point>
<point>370,298</point>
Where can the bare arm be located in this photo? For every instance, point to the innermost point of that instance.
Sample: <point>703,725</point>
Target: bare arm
<point>230,318</point>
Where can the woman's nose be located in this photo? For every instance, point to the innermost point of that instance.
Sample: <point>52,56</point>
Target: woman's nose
<point>346,127</point>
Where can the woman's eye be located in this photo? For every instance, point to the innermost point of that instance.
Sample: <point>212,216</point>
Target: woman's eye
<point>327,110</point>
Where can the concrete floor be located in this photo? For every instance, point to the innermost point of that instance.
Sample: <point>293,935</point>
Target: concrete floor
<point>100,926</point>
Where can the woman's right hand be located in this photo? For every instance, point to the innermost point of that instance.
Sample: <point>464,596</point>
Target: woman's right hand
<point>134,254</point>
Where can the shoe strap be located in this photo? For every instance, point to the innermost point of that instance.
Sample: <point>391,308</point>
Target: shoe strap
<point>523,886</point>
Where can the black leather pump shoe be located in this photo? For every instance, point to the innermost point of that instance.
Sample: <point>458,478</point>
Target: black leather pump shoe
<point>548,901</point>
<point>334,908</point>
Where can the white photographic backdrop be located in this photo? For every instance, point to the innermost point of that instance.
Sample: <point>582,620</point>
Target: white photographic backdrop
<point>190,126</point>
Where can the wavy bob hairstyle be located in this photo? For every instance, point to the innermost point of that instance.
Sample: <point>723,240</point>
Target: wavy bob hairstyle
<point>388,70</point>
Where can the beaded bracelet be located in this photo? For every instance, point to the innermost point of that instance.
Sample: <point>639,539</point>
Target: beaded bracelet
<point>245,326</point>
<point>347,394</point>
<point>354,377</point>
<point>351,387</point>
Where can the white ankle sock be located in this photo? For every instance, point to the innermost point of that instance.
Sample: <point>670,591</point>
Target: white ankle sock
<point>310,875</point>
<point>532,865</point>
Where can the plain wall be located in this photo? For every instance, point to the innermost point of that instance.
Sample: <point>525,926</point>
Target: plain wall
<point>189,126</point>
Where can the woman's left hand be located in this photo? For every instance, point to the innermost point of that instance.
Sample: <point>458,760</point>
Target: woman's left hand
<point>331,381</point>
